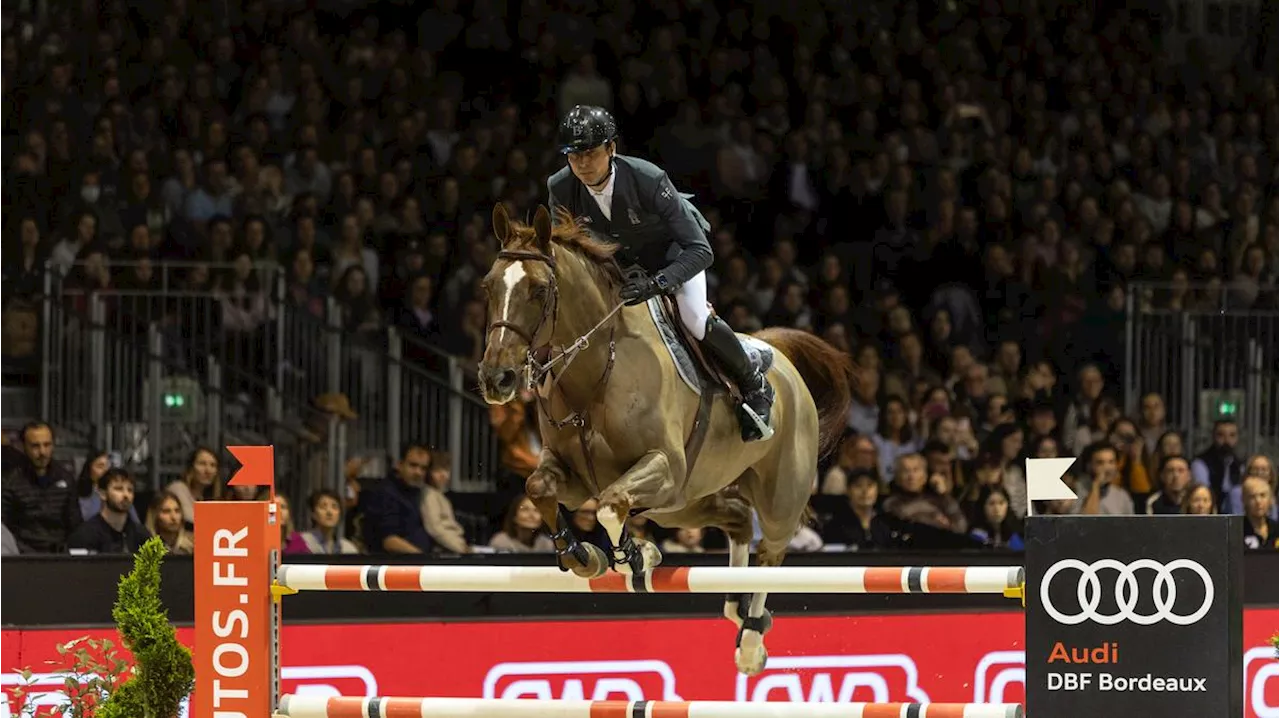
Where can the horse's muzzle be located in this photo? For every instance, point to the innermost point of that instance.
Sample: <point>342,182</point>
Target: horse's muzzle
<point>499,384</point>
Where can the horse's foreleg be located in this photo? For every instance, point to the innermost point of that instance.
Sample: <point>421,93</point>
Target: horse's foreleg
<point>542,488</point>
<point>648,483</point>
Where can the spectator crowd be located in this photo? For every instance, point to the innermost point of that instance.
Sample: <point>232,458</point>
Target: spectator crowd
<point>961,198</point>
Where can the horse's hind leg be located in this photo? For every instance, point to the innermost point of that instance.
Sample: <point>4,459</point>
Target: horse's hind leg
<point>745,610</point>
<point>647,484</point>
<point>780,506</point>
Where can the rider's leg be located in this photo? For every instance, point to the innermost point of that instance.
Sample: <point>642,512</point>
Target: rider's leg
<point>718,338</point>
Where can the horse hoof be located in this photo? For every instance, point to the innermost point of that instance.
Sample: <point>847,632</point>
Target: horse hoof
<point>649,553</point>
<point>597,563</point>
<point>750,661</point>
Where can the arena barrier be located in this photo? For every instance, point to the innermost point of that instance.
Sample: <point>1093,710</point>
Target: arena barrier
<point>1006,580</point>
<point>329,707</point>
<point>240,583</point>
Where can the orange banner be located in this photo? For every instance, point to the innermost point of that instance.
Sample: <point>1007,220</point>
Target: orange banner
<point>235,545</point>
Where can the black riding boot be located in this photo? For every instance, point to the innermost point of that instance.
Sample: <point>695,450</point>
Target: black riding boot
<point>755,413</point>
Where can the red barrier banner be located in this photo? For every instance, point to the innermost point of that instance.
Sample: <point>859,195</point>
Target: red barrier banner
<point>971,657</point>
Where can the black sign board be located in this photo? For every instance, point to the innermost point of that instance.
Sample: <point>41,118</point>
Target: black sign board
<point>1135,616</point>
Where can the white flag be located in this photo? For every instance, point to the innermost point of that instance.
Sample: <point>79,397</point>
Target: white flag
<point>1044,480</point>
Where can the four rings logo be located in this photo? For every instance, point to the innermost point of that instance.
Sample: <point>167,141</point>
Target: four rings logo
<point>1164,592</point>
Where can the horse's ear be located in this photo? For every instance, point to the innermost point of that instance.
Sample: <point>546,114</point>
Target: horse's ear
<point>542,227</point>
<point>501,223</point>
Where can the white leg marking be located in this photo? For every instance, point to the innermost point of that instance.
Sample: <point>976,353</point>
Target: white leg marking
<point>612,524</point>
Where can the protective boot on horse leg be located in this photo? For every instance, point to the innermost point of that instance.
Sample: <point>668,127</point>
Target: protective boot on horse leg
<point>583,559</point>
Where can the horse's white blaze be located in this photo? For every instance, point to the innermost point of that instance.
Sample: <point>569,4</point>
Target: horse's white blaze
<point>510,278</point>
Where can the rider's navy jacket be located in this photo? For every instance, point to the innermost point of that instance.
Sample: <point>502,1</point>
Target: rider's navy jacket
<point>648,214</point>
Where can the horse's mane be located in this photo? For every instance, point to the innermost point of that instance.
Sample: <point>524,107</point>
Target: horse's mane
<point>573,235</point>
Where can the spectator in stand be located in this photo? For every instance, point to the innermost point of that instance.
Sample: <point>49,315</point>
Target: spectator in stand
<point>992,521</point>
<point>893,437</point>
<point>326,516</point>
<point>684,541</point>
<point>519,444</point>
<point>1153,424</point>
<point>87,485</point>
<point>522,530</point>
<point>392,507</point>
<point>290,539</point>
<point>1132,450</point>
<point>1219,466</point>
<point>1260,530</point>
<point>164,519</point>
<point>857,524</point>
<point>40,506</point>
<point>912,499</point>
<point>1199,501</point>
<point>1175,479</point>
<point>1169,444</point>
<point>1101,490</point>
<point>437,510</point>
<point>857,452</point>
<point>1261,466</point>
<point>112,531</point>
<point>199,482</point>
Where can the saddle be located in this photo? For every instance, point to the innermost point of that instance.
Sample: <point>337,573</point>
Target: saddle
<point>698,371</point>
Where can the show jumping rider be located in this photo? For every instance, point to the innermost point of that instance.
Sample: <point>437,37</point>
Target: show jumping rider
<point>634,203</point>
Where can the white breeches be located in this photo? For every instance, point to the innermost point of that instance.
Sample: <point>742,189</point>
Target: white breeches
<point>691,298</point>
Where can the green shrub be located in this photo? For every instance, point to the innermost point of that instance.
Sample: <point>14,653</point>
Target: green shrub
<point>163,673</point>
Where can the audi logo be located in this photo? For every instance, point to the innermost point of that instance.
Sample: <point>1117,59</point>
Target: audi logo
<point>1089,592</point>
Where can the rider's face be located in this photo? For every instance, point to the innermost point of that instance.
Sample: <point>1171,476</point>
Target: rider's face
<point>591,166</point>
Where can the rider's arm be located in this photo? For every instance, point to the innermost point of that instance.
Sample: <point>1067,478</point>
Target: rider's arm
<point>695,251</point>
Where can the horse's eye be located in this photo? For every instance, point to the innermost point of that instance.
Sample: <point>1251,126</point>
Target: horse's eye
<point>540,292</point>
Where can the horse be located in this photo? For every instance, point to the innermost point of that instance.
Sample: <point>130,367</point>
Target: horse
<point>614,415</point>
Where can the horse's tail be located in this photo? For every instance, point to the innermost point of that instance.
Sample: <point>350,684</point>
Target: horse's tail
<point>828,372</point>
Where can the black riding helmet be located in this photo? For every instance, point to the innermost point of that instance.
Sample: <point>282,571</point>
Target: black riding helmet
<point>585,127</point>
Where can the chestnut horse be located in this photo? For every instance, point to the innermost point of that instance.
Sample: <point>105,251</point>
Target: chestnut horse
<point>614,414</point>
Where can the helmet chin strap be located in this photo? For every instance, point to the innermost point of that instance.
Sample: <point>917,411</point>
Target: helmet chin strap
<point>605,180</point>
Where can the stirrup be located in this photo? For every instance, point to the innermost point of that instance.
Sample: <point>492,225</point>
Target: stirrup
<point>751,420</point>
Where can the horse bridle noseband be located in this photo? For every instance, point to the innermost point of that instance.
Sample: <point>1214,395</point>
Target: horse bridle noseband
<point>536,371</point>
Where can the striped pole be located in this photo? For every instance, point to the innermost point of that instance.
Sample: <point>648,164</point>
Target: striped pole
<point>330,707</point>
<point>685,579</point>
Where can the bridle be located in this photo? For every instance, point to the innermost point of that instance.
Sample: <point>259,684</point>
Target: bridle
<point>536,371</point>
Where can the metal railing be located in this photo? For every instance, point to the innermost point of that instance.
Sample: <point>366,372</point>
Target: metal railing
<point>104,389</point>
<point>399,388</point>
<point>1207,361</point>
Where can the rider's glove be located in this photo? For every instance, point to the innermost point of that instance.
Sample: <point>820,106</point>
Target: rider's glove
<point>638,290</point>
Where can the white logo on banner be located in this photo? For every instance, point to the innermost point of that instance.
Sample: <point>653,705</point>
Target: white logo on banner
<point>1089,592</point>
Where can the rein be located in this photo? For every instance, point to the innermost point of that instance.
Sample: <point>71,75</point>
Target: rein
<point>536,371</point>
